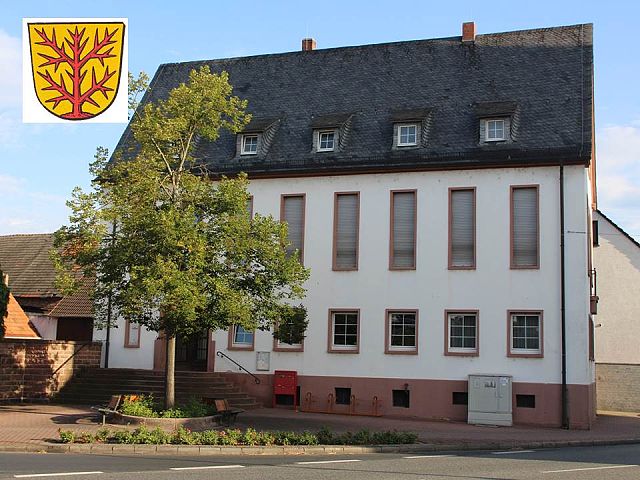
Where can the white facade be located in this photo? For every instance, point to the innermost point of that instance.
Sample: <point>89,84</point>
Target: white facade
<point>617,262</point>
<point>492,288</point>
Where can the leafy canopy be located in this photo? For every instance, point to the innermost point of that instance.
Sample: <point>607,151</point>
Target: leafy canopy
<point>182,245</point>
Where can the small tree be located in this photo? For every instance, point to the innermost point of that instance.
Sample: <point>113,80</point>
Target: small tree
<point>185,255</point>
<point>4,302</point>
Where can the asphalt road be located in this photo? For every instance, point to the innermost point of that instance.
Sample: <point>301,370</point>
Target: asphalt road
<point>584,463</point>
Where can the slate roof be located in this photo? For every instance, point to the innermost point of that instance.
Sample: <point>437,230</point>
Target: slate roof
<point>545,73</point>
<point>25,258</point>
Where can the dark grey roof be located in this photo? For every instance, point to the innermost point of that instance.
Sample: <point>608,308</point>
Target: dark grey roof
<point>547,73</point>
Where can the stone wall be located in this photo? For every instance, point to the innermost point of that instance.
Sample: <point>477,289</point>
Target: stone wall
<point>37,369</point>
<point>618,387</point>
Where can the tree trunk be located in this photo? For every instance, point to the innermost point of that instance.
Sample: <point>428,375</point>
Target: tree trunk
<point>170,373</point>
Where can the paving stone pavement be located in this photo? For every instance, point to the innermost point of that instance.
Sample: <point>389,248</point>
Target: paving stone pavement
<point>37,424</point>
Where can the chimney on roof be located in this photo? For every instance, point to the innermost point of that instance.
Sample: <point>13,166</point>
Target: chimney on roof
<point>308,44</point>
<point>468,32</point>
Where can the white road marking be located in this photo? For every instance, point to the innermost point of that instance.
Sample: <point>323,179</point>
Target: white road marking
<point>429,456</point>
<point>511,452</point>
<point>590,468</point>
<point>207,467</point>
<point>327,461</point>
<point>61,474</point>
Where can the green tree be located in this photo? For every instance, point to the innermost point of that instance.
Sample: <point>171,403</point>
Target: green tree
<point>185,256</point>
<point>4,302</point>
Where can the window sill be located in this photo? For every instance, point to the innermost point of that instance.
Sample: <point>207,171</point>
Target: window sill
<point>343,350</point>
<point>392,351</point>
<point>525,355</point>
<point>462,353</point>
<point>247,348</point>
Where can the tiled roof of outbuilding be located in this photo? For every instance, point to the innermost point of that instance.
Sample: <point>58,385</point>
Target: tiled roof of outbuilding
<point>26,259</point>
<point>547,73</point>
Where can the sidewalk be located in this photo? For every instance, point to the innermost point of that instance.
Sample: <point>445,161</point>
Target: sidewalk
<point>37,425</point>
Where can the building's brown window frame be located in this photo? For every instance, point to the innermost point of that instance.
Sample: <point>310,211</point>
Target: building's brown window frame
<point>231,345</point>
<point>450,253</point>
<point>415,228</point>
<point>525,354</point>
<point>278,346</point>
<point>127,343</point>
<point>448,351</point>
<point>304,216</point>
<point>390,350</point>
<point>330,346</point>
<point>335,266</point>
<point>513,266</point>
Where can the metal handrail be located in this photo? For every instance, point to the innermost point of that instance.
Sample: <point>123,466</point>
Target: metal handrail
<point>224,355</point>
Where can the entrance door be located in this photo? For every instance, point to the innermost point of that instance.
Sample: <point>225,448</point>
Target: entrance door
<point>192,352</point>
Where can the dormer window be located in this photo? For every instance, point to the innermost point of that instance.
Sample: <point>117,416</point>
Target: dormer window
<point>407,135</point>
<point>497,121</point>
<point>249,144</point>
<point>326,140</point>
<point>496,130</point>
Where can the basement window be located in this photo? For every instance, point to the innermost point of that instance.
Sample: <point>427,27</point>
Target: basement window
<point>526,401</point>
<point>343,396</point>
<point>460,398</point>
<point>401,398</point>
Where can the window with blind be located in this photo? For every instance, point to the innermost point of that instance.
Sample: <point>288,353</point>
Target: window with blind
<point>403,230</point>
<point>346,218</point>
<point>292,212</point>
<point>462,228</point>
<point>524,227</point>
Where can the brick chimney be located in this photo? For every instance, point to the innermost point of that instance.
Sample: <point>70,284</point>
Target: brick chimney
<point>468,32</point>
<point>308,44</point>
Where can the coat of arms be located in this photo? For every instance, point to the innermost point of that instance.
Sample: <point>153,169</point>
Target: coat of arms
<point>76,67</point>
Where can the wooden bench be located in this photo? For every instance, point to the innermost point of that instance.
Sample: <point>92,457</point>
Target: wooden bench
<point>225,414</point>
<point>108,409</point>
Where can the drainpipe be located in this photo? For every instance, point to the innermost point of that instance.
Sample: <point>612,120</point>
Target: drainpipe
<point>565,406</point>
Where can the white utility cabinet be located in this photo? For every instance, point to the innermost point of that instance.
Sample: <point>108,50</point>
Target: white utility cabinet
<point>490,400</point>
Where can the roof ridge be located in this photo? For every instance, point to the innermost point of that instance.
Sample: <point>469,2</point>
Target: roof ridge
<point>364,45</point>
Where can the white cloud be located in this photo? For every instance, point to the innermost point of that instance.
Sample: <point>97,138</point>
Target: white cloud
<point>11,68</point>
<point>618,175</point>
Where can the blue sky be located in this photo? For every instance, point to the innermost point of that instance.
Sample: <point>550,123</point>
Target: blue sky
<point>40,164</point>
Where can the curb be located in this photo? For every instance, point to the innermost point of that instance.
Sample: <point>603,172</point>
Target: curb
<point>209,450</point>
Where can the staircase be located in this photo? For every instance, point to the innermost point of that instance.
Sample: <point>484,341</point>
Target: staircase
<point>95,386</point>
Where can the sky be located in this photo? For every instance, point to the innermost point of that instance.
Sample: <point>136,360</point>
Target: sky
<point>41,164</point>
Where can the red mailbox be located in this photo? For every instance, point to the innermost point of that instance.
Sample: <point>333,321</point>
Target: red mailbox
<point>285,382</point>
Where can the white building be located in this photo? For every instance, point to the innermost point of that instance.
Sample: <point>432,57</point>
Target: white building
<point>616,258</point>
<point>422,184</point>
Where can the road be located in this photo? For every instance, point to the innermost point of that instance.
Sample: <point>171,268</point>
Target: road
<point>584,463</point>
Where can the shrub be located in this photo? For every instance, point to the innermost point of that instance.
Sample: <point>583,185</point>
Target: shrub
<point>67,436</point>
<point>138,406</point>
<point>183,436</point>
<point>102,435</point>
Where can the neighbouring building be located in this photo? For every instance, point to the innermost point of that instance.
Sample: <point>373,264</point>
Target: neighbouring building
<point>421,181</point>
<point>31,275</point>
<point>616,258</point>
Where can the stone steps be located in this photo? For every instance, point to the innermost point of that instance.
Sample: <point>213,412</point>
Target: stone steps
<point>95,386</point>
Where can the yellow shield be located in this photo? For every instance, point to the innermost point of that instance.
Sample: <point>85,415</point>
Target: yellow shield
<point>76,66</point>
